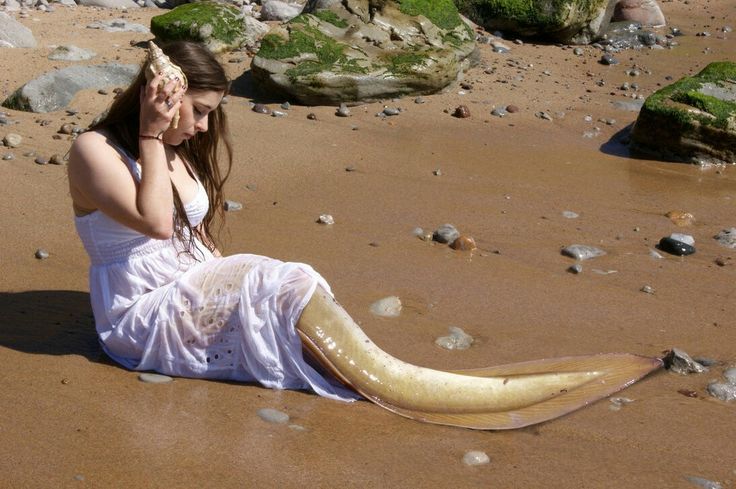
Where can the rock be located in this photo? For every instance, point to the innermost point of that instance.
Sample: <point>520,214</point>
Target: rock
<point>499,112</point>
<point>312,116</point>
<point>608,59</point>
<point>326,219</point>
<point>343,111</point>
<point>261,109</point>
<point>118,25</point>
<point>219,26</point>
<point>730,375</point>
<point>512,109</point>
<point>675,247</point>
<point>387,307</point>
<point>457,340</point>
<point>40,160</point>
<point>703,483</point>
<point>680,362</point>
<point>57,159</point>
<point>350,51</point>
<point>447,233</point>
<point>565,21</point>
<point>692,119</point>
<point>273,416</point>
<point>575,269</point>
<point>254,32</point>
<point>464,243</point>
<point>645,12</point>
<point>231,206</point>
<point>390,111</point>
<point>12,140</point>
<point>618,402</point>
<point>55,89</point>
<point>278,10</point>
<point>570,215</point>
<point>461,111</point>
<point>151,378</point>
<point>647,289</point>
<point>723,391</point>
<point>681,218</point>
<point>41,254</point>
<point>727,238</point>
<point>278,113</point>
<point>475,457</point>
<point>13,34</point>
<point>582,252</point>
<point>543,115</point>
<point>683,238</point>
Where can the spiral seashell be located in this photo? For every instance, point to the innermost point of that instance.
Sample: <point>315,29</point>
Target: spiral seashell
<point>158,62</point>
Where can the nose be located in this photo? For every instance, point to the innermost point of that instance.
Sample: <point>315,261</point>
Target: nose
<point>201,125</point>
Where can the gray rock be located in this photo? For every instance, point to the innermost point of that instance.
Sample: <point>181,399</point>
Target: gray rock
<point>727,238</point>
<point>41,254</point>
<point>326,219</point>
<point>570,215</point>
<point>116,4</point>
<point>730,375</point>
<point>680,362</point>
<point>343,111</point>
<point>151,378</point>
<point>387,307</point>
<point>703,483</point>
<point>54,90</point>
<point>575,269</point>
<point>475,457</point>
<point>254,31</point>
<point>118,25</point>
<point>71,53</point>
<point>231,206</point>
<point>683,238</point>
<point>389,111</point>
<point>13,34</point>
<point>582,252</point>
<point>447,233</point>
<point>273,416</point>
<point>350,51</point>
<point>278,10</point>
<point>647,289</point>
<point>218,25</point>
<point>723,391</point>
<point>456,340</point>
<point>499,112</point>
<point>12,140</point>
<point>644,12</point>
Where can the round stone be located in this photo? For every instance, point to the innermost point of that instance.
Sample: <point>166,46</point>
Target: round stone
<point>461,112</point>
<point>447,233</point>
<point>57,159</point>
<point>730,375</point>
<point>66,128</point>
<point>261,109</point>
<point>41,254</point>
<point>326,219</point>
<point>512,109</point>
<point>273,416</point>
<point>12,140</point>
<point>152,378</point>
<point>40,160</point>
<point>675,247</point>
<point>475,457</point>
<point>499,112</point>
<point>608,59</point>
<point>464,243</point>
<point>387,307</point>
<point>312,116</point>
<point>343,111</point>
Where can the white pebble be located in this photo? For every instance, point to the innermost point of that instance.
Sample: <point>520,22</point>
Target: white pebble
<point>326,219</point>
<point>475,457</point>
<point>273,416</point>
<point>570,214</point>
<point>457,340</point>
<point>683,238</point>
<point>387,307</point>
<point>150,378</point>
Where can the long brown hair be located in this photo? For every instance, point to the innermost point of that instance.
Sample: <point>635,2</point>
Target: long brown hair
<point>122,124</point>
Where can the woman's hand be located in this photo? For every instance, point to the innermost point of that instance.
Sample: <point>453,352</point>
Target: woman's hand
<point>159,105</point>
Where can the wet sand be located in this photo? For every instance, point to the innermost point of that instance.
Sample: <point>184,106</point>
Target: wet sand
<point>74,419</point>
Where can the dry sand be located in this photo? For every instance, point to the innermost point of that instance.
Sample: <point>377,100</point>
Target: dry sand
<point>73,419</point>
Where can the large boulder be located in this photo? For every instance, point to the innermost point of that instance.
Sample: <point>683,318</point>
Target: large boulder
<point>568,21</point>
<point>13,34</point>
<point>645,12</point>
<point>219,26</point>
<point>692,120</point>
<point>363,50</point>
<point>54,90</point>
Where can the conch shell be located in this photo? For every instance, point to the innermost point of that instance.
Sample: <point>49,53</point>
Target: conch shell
<point>158,62</point>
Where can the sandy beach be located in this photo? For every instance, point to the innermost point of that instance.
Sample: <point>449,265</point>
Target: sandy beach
<point>72,418</point>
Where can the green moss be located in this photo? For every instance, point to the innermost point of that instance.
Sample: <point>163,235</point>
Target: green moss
<point>305,39</point>
<point>686,91</point>
<point>403,64</point>
<point>330,17</point>
<point>190,21</point>
<point>552,13</point>
<point>17,102</point>
<point>442,13</point>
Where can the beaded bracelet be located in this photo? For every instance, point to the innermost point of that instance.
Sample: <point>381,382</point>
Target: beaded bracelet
<point>146,136</point>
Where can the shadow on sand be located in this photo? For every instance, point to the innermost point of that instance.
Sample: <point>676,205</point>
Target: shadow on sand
<point>244,86</point>
<point>50,322</point>
<point>618,144</point>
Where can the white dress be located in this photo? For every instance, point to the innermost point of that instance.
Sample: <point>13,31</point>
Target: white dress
<point>234,318</point>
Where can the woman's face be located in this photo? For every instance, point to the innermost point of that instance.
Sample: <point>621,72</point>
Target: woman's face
<point>193,115</point>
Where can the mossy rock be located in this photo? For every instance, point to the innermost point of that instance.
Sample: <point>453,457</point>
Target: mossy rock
<point>336,52</point>
<point>692,120</point>
<point>217,25</point>
<point>571,21</point>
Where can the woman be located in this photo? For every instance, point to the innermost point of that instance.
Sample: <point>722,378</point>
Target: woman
<point>145,194</point>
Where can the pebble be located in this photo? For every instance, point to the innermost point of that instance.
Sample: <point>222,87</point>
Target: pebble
<point>543,115</point>
<point>499,112</point>
<point>570,215</point>
<point>231,206</point>
<point>675,247</point>
<point>683,238</point>
<point>447,233</point>
<point>286,106</point>
<point>723,391</point>
<point>475,457</point>
<point>389,111</point>
<point>704,483</point>
<point>647,289</point>
<point>727,238</point>
<point>151,378</point>
<point>66,128</point>
<point>512,109</point>
<point>40,160</point>
<point>464,243</point>
<point>419,100</point>
<point>261,109</point>
<point>8,156</point>
<point>681,218</point>
<point>457,340</point>
<point>461,112</point>
<point>582,252</point>
<point>326,219</point>
<point>575,269</point>
<point>57,159</point>
<point>41,254</point>
<point>680,362</point>
<point>654,254</point>
<point>618,402</point>
<point>273,416</point>
<point>312,116</point>
<point>278,113</point>
<point>12,140</point>
<point>389,307</point>
<point>730,375</point>
<point>676,31</point>
<point>608,59</point>
<point>343,111</point>
<point>437,172</point>
<point>578,51</point>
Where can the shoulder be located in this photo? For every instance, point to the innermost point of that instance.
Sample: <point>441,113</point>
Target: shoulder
<point>93,155</point>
